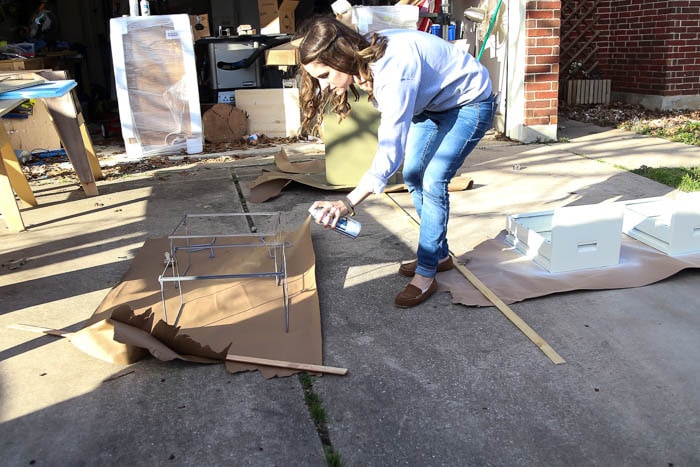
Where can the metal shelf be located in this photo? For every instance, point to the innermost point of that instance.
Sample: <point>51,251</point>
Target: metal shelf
<point>209,233</point>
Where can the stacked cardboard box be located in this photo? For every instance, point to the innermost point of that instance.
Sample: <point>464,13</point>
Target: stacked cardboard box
<point>276,19</point>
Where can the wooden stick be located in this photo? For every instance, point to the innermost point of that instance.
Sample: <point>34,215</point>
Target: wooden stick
<point>230,357</point>
<point>286,364</point>
<point>510,314</point>
<point>493,298</point>
<point>40,330</point>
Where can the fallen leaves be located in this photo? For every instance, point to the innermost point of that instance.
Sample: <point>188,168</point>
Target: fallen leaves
<point>663,123</point>
<point>109,152</point>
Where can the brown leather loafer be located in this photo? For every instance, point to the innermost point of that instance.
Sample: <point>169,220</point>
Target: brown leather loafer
<point>412,295</point>
<point>409,269</point>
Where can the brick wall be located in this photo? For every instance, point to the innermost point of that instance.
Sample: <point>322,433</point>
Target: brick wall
<point>542,23</point>
<point>649,47</point>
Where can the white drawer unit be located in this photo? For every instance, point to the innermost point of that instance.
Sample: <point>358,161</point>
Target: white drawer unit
<point>569,238</point>
<point>671,225</point>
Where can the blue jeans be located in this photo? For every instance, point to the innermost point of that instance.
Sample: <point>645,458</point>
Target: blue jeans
<point>438,143</point>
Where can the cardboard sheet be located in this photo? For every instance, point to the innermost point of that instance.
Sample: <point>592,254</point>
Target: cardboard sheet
<point>513,277</point>
<point>238,316</point>
<point>313,173</point>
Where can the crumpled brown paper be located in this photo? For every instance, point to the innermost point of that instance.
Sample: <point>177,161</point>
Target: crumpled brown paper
<point>239,316</point>
<point>513,277</point>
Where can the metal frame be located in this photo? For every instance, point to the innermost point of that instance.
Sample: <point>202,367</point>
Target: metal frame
<point>184,242</point>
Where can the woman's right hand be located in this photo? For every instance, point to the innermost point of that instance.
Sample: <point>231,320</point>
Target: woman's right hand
<point>327,213</point>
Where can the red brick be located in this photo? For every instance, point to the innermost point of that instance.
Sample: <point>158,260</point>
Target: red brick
<point>529,69</point>
<point>551,95</point>
<point>547,5</point>
<point>539,14</point>
<point>539,32</point>
<point>540,59</point>
<point>530,121</point>
<point>538,86</point>
<point>546,41</point>
<point>553,23</point>
<point>549,51</point>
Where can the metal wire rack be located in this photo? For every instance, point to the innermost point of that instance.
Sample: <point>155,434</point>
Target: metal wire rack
<point>210,233</point>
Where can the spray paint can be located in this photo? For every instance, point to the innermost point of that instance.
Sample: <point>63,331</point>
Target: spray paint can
<point>345,225</point>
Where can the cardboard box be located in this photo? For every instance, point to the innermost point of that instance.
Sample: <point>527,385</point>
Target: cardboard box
<point>272,112</point>
<point>34,132</point>
<point>282,55</point>
<point>269,16</point>
<point>277,19</point>
<point>16,64</point>
<point>204,30</point>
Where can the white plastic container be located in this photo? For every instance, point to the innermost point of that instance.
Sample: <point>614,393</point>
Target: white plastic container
<point>145,8</point>
<point>375,18</point>
<point>194,145</point>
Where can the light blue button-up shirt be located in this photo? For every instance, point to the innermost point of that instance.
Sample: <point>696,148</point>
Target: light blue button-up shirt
<point>418,72</point>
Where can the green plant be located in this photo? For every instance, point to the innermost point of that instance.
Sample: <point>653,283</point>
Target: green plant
<point>332,458</point>
<point>576,71</point>
<point>318,415</point>
<point>687,132</point>
<point>680,178</point>
<point>680,125</point>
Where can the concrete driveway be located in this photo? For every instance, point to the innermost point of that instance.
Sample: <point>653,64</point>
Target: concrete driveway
<point>438,384</point>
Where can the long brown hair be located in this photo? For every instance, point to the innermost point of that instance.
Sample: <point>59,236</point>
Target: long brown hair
<point>330,42</point>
